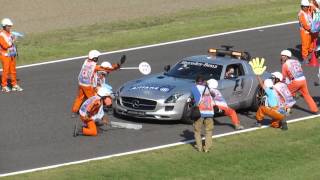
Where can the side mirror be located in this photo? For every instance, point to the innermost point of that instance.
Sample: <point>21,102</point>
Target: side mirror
<point>167,68</point>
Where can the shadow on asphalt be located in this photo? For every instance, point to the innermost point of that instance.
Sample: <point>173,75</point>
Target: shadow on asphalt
<point>187,135</point>
<point>219,123</point>
<point>248,113</point>
<point>146,121</point>
<point>252,115</point>
<point>317,100</point>
<point>302,109</point>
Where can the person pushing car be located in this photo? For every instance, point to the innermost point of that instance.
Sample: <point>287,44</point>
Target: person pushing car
<point>221,103</point>
<point>86,76</point>
<point>285,97</point>
<point>292,70</point>
<point>271,108</point>
<point>100,80</point>
<point>100,77</point>
<point>91,112</point>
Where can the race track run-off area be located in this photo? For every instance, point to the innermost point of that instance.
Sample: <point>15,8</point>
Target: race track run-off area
<point>36,126</point>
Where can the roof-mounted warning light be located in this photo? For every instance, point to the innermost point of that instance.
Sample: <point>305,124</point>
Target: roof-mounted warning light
<point>228,52</point>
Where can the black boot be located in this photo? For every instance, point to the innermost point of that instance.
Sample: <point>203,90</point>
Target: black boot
<point>76,131</point>
<point>284,125</point>
<point>258,124</point>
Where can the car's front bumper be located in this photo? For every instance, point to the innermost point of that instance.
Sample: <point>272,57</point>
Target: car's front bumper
<point>162,111</point>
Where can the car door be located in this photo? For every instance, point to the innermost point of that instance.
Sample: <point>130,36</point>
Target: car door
<point>236,88</point>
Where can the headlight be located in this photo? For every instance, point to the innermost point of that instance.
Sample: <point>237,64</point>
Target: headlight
<point>173,98</point>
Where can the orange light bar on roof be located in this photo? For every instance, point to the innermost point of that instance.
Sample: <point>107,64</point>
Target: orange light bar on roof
<point>211,50</point>
<point>234,53</point>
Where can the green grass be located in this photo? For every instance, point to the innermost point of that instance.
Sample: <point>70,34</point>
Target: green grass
<point>264,154</point>
<point>106,37</point>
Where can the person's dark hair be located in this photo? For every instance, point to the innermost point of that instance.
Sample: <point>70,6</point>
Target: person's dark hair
<point>275,79</point>
<point>200,78</point>
<point>95,59</point>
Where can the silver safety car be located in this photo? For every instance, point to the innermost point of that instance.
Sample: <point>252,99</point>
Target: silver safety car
<point>166,96</point>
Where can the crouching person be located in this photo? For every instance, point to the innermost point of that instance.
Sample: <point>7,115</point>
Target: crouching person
<point>203,99</point>
<point>91,112</point>
<point>221,103</point>
<point>284,95</point>
<point>272,108</point>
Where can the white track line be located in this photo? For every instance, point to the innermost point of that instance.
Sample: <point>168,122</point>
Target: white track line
<point>158,147</point>
<point>147,149</point>
<point>162,44</point>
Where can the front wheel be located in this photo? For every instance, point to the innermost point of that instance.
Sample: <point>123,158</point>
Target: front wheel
<point>186,117</point>
<point>258,98</point>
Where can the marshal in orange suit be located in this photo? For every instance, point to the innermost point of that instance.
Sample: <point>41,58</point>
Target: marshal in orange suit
<point>8,53</point>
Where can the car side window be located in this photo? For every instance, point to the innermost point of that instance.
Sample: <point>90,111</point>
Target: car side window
<point>234,71</point>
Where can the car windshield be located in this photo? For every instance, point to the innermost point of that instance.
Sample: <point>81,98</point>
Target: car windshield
<point>190,69</point>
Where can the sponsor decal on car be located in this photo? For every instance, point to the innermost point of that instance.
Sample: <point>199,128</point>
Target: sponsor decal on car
<point>162,88</point>
<point>214,66</point>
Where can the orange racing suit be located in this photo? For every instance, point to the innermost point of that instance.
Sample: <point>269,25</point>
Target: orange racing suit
<point>272,109</point>
<point>305,20</point>
<point>8,53</point>
<point>292,70</point>
<point>91,111</point>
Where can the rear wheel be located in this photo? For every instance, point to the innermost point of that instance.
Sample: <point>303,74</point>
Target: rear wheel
<point>186,117</point>
<point>258,98</point>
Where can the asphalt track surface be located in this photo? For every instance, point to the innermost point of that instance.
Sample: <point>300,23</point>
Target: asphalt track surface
<point>36,127</point>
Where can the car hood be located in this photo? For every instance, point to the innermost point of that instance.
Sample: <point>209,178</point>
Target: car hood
<point>155,87</point>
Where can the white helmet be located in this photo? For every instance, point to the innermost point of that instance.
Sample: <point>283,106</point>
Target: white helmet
<point>286,53</point>
<point>268,83</point>
<point>278,75</point>
<point>106,64</point>
<point>6,22</point>
<point>212,83</point>
<point>305,3</point>
<point>103,92</point>
<point>94,54</point>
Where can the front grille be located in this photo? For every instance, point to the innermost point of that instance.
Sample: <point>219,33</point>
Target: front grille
<point>137,103</point>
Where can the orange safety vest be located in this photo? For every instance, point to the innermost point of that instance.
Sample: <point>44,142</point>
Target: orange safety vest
<point>92,107</point>
<point>293,70</point>
<point>305,20</point>
<point>87,73</point>
<point>286,99</point>
<point>206,101</point>
<point>7,48</point>
<point>218,98</point>
<point>99,79</point>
